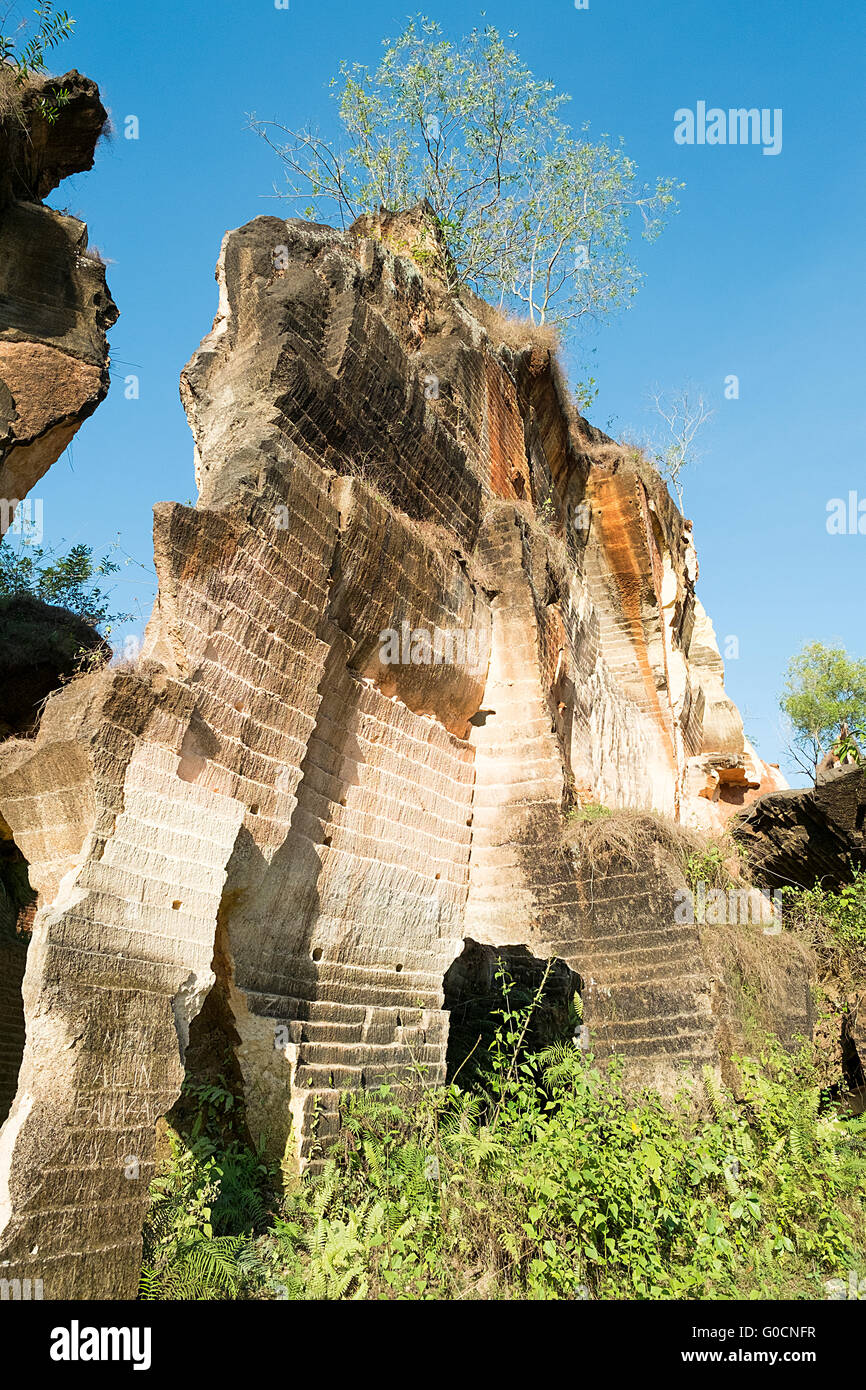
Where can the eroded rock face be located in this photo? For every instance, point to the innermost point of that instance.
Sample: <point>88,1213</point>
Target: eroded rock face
<point>809,836</point>
<point>41,646</point>
<point>55,307</point>
<point>129,862</point>
<point>282,794</point>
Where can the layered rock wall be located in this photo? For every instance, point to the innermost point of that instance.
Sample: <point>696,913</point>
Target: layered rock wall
<point>280,800</point>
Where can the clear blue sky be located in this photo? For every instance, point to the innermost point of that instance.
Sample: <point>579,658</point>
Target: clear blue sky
<point>761,273</point>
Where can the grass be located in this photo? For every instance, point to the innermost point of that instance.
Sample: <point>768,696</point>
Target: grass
<point>598,835</point>
<point>542,1180</point>
<point>511,330</point>
<point>11,95</point>
<point>541,525</point>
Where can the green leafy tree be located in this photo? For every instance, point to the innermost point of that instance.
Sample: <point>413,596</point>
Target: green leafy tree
<point>20,62</point>
<point>68,580</point>
<point>825,701</point>
<point>532,214</point>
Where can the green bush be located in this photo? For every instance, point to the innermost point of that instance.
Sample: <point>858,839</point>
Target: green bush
<point>21,63</point>
<point>544,1181</point>
<point>842,913</point>
<point>64,580</point>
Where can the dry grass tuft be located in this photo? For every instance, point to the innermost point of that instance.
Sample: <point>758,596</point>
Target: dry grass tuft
<point>508,330</point>
<point>634,837</point>
<point>760,978</point>
<point>12,91</point>
<point>443,544</point>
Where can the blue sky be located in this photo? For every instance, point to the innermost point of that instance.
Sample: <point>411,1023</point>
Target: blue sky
<point>760,274</point>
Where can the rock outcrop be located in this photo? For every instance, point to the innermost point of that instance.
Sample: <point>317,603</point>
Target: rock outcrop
<point>421,609</point>
<point>809,836</point>
<point>54,304</point>
<point>41,646</point>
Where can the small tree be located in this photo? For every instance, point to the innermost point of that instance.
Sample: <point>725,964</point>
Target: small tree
<point>684,413</point>
<point>69,580</point>
<point>825,701</point>
<point>532,215</point>
<point>21,62</point>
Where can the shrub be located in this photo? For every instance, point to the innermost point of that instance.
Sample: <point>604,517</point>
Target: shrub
<point>546,1180</point>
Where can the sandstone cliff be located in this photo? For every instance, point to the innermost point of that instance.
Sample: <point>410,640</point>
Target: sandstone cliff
<point>54,304</point>
<point>280,810</point>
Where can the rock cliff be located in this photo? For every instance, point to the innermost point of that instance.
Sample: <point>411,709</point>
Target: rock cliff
<point>54,304</point>
<point>421,610</point>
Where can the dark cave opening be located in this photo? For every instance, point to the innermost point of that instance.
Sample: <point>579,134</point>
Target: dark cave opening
<point>212,1097</point>
<point>17,910</point>
<point>474,992</point>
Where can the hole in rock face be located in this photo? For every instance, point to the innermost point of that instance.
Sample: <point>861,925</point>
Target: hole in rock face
<point>254,809</point>
<point>399,968</point>
<point>199,746</point>
<point>175,907</point>
<point>474,990</point>
<point>480,719</point>
<point>732,794</point>
<point>317,953</point>
<point>17,910</point>
<point>552,590</point>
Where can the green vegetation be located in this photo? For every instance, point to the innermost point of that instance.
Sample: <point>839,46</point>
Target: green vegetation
<point>833,924</point>
<point>842,913</point>
<point>707,865</point>
<point>533,215</point>
<point>590,811</point>
<point>67,580</point>
<point>825,701</point>
<point>20,63</point>
<point>539,1179</point>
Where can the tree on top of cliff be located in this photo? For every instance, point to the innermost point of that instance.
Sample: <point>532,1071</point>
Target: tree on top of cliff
<point>825,701</point>
<point>684,412</point>
<point>532,214</point>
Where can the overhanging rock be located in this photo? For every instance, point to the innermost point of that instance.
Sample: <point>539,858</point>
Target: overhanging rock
<point>804,837</point>
<point>55,307</point>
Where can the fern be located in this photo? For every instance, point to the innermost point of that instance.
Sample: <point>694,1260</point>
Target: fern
<point>561,1063</point>
<point>718,1100</point>
<point>801,1136</point>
